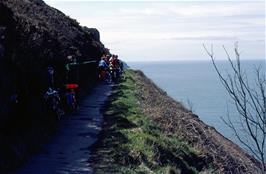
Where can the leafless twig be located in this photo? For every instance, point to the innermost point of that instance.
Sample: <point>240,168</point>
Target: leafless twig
<point>250,103</point>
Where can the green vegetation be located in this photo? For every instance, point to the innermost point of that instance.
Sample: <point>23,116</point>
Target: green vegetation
<point>132,143</point>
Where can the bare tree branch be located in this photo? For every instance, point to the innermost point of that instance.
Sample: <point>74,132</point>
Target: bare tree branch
<point>250,103</point>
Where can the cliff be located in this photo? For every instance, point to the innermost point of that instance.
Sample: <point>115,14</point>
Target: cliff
<point>221,154</point>
<point>34,36</point>
<point>146,131</point>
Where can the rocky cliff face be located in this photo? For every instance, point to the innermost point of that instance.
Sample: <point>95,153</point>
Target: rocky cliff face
<point>34,36</point>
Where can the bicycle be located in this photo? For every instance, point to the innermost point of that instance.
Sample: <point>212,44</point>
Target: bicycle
<point>71,99</point>
<point>105,76</point>
<point>53,101</point>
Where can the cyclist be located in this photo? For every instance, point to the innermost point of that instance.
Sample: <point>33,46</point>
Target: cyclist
<point>104,73</point>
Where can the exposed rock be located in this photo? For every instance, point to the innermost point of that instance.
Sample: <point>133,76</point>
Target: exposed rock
<point>93,33</point>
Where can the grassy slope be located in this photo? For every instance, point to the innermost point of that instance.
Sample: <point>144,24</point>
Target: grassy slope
<point>132,143</point>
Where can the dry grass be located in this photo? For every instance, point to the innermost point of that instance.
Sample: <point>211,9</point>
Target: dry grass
<point>221,153</point>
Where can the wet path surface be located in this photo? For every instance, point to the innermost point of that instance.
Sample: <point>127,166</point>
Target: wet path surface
<point>69,150</point>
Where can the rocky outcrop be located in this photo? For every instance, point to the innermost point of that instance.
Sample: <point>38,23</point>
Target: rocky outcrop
<point>93,32</point>
<point>34,36</point>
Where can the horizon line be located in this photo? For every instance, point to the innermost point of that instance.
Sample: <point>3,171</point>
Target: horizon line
<point>189,60</point>
<point>55,1</point>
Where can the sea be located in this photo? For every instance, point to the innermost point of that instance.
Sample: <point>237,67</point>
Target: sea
<point>196,84</point>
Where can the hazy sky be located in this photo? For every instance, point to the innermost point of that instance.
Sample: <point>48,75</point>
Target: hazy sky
<point>172,30</point>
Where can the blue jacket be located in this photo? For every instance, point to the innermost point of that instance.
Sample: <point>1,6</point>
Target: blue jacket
<point>102,63</point>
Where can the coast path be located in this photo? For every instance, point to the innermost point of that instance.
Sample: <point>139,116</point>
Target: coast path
<point>69,150</point>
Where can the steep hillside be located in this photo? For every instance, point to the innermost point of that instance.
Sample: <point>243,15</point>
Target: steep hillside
<point>34,36</point>
<point>222,155</point>
<point>146,131</point>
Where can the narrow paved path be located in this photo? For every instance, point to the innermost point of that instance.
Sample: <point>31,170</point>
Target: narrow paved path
<point>69,151</point>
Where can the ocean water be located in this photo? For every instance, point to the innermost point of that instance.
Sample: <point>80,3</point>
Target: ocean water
<point>197,86</point>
